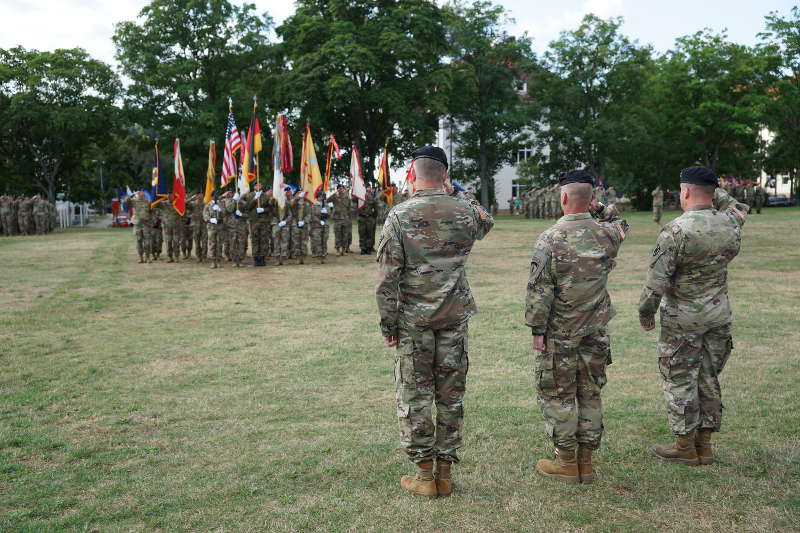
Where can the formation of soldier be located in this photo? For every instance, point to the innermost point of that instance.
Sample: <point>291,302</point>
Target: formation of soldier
<point>24,215</point>
<point>750,193</point>
<point>224,228</point>
<point>424,303</point>
<point>541,202</point>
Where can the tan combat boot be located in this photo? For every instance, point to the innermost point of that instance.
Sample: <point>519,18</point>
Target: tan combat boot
<point>563,468</point>
<point>682,451</point>
<point>585,470</point>
<point>302,259</point>
<point>422,483</point>
<point>141,258</point>
<point>444,483</point>
<point>702,445</point>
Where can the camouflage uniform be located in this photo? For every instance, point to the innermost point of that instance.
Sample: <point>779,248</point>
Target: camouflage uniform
<point>157,240</point>
<point>689,269</point>
<point>318,228</point>
<point>199,232</point>
<point>236,222</point>
<point>341,218</point>
<point>281,234</point>
<point>424,299</point>
<point>611,196</point>
<point>214,216</point>
<point>40,215</point>
<point>142,224</point>
<point>186,234</point>
<point>759,198</point>
<point>260,209</point>
<point>25,216</point>
<point>299,228</point>
<point>658,204</point>
<point>567,302</point>
<point>170,222</point>
<point>366,224</point>
<point>7,214</point>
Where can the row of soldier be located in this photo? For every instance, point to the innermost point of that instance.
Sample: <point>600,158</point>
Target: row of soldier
<point>224,227</point>
<point>25,215</point>
<point>543,202</point>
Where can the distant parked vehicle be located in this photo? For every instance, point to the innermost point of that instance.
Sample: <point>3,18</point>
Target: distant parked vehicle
<point>780,200</point>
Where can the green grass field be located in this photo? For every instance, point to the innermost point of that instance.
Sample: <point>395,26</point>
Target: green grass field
<point>175,397</point>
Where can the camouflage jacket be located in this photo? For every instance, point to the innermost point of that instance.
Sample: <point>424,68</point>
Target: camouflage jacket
<point>658,198</point>
<point>300,210</point>
<point>422,251</point>
<point>689,266</point>
<point>370,207</point>
<point>569,271</point>
<point>319,215</point>
<point>341,206</point>
<point>194,210</point>
<point>141,209</point>
<point>265,202</point>
<point>167,214</point>
<point>209,212</point>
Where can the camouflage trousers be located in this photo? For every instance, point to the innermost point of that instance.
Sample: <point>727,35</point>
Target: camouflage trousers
<point>281,240</point>
<point>759,203</point>
<point>9,224</point>
<point>570,373</point>
<point>227,239</point>
<point>25,225</point>
<point>657,214</point>
<point>366,233</point>
<point>157,241</point>
<point>186,239</point>
<point>340,233</point>
<point>299,238</point>
<point>260,237</point>
<point>690,363</point>
<point>216,237</point>
<point>238,234</point>
<point>431,366</point>
<point>41,223</point>
<point>349,231</point>
<point>200,237</point>
<point>319,241</point>
<point>173,237</point>
<point>144,238</point>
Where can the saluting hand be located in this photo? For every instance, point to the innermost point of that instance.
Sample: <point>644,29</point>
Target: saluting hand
<point>390,340</point>
<point>648,322</point>
<point>538,342</point>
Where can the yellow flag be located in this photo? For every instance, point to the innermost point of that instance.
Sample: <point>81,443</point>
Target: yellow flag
<point>212,164</point>
<point>310,175</point>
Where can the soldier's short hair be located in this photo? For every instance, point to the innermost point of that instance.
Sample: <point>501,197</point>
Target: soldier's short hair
<point>704,190</point>
<point>578,192</point>
<point>429,169</point>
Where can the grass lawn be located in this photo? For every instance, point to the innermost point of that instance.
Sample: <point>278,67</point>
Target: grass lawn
<point>175,397</point>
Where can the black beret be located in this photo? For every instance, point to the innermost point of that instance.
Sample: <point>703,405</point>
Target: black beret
<point>340,186</point>
<point>576,176</point>
<point>699,176</point>
<point>287,188</point>
<point>430,152</point>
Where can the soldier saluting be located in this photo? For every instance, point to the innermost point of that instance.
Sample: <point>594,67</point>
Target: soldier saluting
<point>689,270</point>
<point>424,302</point>
<point>567,308</point>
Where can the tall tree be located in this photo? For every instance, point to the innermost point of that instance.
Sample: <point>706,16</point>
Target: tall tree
<point>783,110</point>
<point>184,59</point>
<point>54,107</point>
<point>587,92</point>
<point>489,70</point>
<point>367,71</point>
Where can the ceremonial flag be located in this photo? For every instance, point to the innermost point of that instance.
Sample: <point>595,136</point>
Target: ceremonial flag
<point>212,165</point>
<point>252,147</point>
<point>310,175</point>
<point>384,179</point>
<point>178,182</point>
<point>233,142</point>
<point>158,186</point>
<point>333,149</point>
<point>281,159</point>
<point>357,187</point>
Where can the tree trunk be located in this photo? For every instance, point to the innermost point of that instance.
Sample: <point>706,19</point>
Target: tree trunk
<point>483,171</point>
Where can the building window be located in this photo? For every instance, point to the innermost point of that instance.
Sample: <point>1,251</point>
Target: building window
<point>524,154</point>
<point>517,189</point>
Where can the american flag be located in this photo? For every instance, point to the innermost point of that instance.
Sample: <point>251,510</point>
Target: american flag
<point>233,142</point>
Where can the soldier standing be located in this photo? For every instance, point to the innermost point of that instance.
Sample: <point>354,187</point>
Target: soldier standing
<point>237,226</point>
<point>567,308</point>
<point>25,216</point>
<point>281,241</point>
<point>199,232</point>
<point>142,224</point>
<point>299,231</point>
<point>6,213</point>
<point>318,227</point>
<point>170,222</point>
<point>40,214</point>
<point>425,302</point>
<point>658,203</point>
<point>157,234</point>
<point>214,216</point>
<point>259,206</point>
<point>611,195</point>
<point>689,270</point>
<point>759,197</point>
<point>366,223</point>
<point>341,218</point>
<point>186,234</point>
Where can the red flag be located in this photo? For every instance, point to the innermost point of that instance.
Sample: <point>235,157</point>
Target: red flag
<point>178,182</point>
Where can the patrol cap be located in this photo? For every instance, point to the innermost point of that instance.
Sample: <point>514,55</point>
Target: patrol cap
<point>576,176</point>
<point>287,188</point>
<point>430,152</point>
<point>699,176</point>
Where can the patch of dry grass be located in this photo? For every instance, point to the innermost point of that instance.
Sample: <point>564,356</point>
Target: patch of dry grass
<point>175,397</point>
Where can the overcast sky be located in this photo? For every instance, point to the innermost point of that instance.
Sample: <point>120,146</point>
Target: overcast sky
<point>50,24</point>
